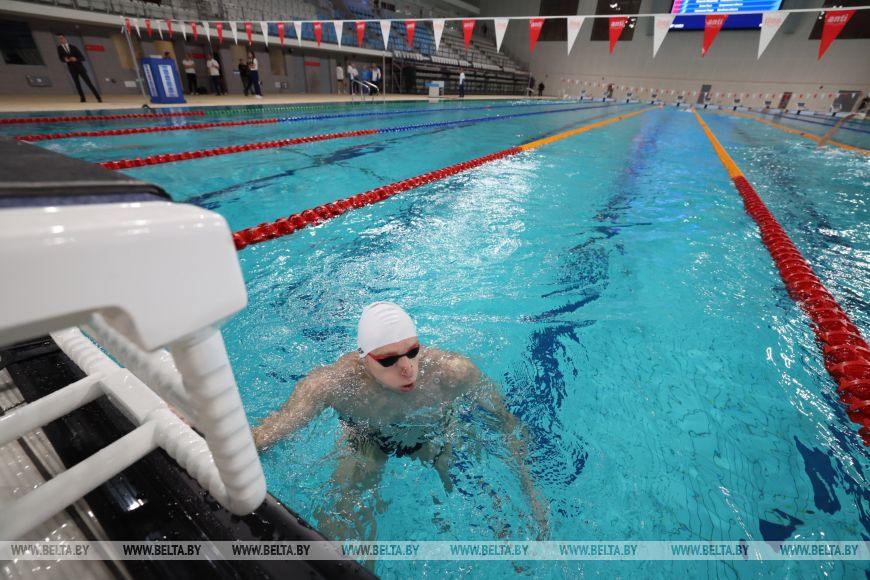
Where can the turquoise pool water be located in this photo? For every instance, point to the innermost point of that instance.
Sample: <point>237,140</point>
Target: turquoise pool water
<point>612,287</point>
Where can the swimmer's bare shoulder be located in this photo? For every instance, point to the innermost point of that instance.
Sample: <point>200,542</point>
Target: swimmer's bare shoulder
<point>455,369</point>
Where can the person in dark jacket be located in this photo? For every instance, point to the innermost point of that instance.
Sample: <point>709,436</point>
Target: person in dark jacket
<point>541,89</point>
<point>245,75</point>
<point>75,60</point>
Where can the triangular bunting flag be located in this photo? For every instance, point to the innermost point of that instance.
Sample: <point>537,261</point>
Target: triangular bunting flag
<point>410,27</point>
<point>437,31</point>
<point>193,29</point>
<point>207,31</point>
<point>169,27</point>
<point>385,31</point>
<point>500,25</point>
<point>660,30</point>
<point>339,28</point>
<point>183,30</point>
<point>148,28</point>
<point>281,33</point>
<point>248,32</point>
<point>835,21</point>
<point>535,25</point>
<point>713,23</point>
<point>220,32</point>
<point>467,30</point>
<point>574,23</point>
<point>297,28</point>
<point>127,26</point>
<point>360,32</point>
<point>770,23</point>
<point>617,25</point>
<point>318,32</point>
<point>159,28</point>
<point>136,26</point>
<point>264,27</point>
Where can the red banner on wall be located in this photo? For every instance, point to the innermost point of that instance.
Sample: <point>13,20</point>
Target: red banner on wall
<point>467,30</point>
<point>95,48</point>
<point>712,25</point>
<point>835,21</point>
<point>314,63</point>
<point>360,32</point>
<point>281,33</point>
<point>617,25</point>
<point>220,31</point>
<point>535,25</point>
<point>410,27</point>
<point>318,32</point>
<point>248,32</point>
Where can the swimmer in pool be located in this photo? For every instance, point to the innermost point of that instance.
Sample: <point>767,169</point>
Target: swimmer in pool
<point>393,398</point>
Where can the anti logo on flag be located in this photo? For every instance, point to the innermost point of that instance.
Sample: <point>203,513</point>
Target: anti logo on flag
<point>467,30</point>
<point>361,32</point>
<point>248,32</point>
<point>148,28</point>
<point>281,33</point>
<point>770,23</point>
<point>574,23</point>
<point>835,21</point>
<point>318,32</point>
<point>193,29</point>
<point>713,23</point>
<point>535,25</point>
<point>220,32</point>
<point>617,25</point>
<point>410,27</point>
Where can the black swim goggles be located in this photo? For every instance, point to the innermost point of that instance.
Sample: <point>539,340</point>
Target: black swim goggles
<point>388,361</point>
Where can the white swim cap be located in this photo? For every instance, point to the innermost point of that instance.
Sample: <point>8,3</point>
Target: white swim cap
<point>383,323</point>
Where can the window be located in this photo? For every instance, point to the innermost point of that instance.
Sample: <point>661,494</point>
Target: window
<point>555,29</point>
<point>601,26</point>
<point>16,44</point>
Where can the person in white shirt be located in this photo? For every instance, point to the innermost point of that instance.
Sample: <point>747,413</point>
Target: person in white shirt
<point>190,73</point>
<point>339,77</point>
<point>462,84</point>
<point>351,75</point>
<point>214,72</point>
<point>254,72</point>
<point>377,76</point>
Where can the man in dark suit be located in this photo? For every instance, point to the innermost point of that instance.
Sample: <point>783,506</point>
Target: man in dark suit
<point>74,60</point>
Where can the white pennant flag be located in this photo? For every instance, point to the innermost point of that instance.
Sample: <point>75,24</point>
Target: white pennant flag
<point>770,23</point>
<point>183,30</point>
<point>500,25</point>
<point>385,31</point>
<point>339,28</point>
<point>574,24</point>
<point>159,26</point>
<point>264,26</point>
<point>136,26</point>
<point>660,30</point>
<point>235,32</point>
<point>437,29</point>
<point>207,31</point>
<point>297,26</point>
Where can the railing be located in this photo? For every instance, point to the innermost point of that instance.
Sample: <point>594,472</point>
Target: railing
<point>131,257</point>
<point>364,88</point>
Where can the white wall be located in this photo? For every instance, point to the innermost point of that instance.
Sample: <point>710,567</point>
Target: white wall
<point>788,64</point>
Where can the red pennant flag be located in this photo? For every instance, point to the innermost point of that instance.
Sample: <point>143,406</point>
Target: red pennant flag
<point>318,32</point>
<point>148,28</point>
<point>835,21</point>
<point>193,28</point>
<point>360,32</point>
<point>168,27</point>
<point>127,24</point>
<point>248,32</point>
<point>281,33</point>
<point>410,27</point>
<point>535,25</point>
<point>220,31</point>
<point>617,25</point>
<point>467,29</point>
<point>712,25</point>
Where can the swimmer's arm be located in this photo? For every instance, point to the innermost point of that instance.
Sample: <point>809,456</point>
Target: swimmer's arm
<point>306,402</point>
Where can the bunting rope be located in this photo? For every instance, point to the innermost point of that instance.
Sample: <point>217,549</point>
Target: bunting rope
<point>846,354</point>
<point>267,121</point>
<point>161,158</point>
<point>287,225</point>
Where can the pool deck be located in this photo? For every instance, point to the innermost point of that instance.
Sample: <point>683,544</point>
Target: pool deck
<point>30,103</point>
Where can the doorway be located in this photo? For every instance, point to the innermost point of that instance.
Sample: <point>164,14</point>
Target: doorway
<point>702,96</point>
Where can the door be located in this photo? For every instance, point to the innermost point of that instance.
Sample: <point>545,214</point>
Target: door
<point>783,102</point>
<point>845,100</point>
<point>705,92</point>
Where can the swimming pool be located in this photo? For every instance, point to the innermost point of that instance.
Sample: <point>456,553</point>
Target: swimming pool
<point>611,285</point>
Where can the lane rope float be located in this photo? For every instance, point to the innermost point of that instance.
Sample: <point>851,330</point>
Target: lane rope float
<point>287,225</point>
<point>811,136</point>
<point>267,121</point>
<point>86,118</point>
<point>846,353</point>
<point>161,158</point>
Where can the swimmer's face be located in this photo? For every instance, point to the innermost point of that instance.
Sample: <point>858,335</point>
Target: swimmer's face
<point>401,376</point>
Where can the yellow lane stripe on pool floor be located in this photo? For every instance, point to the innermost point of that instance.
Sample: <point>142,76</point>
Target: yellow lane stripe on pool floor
<point>811,136</point>
<point>572,132</point>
